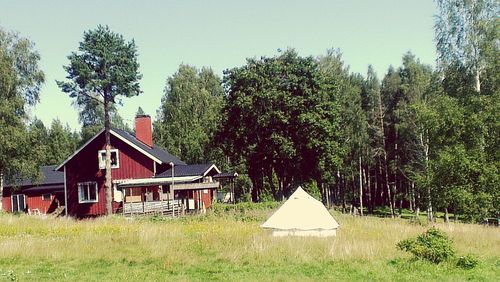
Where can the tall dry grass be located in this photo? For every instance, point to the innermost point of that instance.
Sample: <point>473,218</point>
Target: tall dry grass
<point>203,242</point>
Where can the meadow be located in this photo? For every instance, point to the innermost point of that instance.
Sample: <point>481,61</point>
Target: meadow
<point>229,245</point>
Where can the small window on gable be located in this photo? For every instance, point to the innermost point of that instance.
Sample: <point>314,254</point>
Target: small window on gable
<point>115,159</point>
<point>46,197</point>
<point>87,192</point>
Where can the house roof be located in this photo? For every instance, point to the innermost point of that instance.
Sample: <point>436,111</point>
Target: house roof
<point>189,170</point>
<point>156,153</point>
<point>55,188</point>
<point>224,175</point>
<point>49,177</point>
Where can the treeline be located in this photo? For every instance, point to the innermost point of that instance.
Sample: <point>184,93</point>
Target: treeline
<point>418,138</point>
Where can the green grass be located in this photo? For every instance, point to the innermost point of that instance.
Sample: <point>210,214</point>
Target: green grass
<point>229,245</point>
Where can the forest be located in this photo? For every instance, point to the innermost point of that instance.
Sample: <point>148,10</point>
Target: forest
<point>419,137</point>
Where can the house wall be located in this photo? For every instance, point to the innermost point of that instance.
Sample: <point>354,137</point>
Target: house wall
<point>33,201</point>
<point>84,167</point>
<point>206,198</point>
<point>6,200</point>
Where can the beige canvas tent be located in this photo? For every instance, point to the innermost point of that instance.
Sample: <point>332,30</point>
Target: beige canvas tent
<point>302,215</point>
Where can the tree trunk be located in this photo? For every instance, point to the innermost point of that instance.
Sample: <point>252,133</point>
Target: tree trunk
<point>1,192</point>
<point>446,215</point>
<point>425,146</point>
<point>108,180</point>
<point>360,189</point>
<point>271,183</point>
<point>342,192</point>
<point>384,151</point>
<point>412,196</point>
<point>353,187</point>
<point>369,190</point>
<point>478,81</point>
<point>387,186</point>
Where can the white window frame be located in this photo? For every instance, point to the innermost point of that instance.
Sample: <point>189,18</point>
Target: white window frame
<point>88,185</point>
<point>102,161</point>
<point>12,202</point>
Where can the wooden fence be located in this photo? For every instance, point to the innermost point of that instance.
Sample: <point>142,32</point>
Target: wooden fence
<point>156,207</point>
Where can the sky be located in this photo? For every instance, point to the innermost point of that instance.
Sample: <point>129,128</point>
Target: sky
<point>220,34</point>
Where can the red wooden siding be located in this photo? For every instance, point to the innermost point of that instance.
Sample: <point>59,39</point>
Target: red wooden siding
<point>32,201</point>
<point>84,167</point>
<point>205,198</point>
<point>36,201</point>
<point>6,200</point>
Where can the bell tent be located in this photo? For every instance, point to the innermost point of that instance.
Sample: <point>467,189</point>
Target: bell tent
<point>302,215</point>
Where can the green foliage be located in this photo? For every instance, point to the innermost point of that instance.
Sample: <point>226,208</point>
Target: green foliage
<point>104,68</point>
<point>242,188</point>
<point>20,83</point>
<point>280,119</point>
<point>243,207</point>
<point>434,246</point>
<point>312,188</point>
<point>468,261</point>
<point>190,114</point>
<point>140,112</point>
<point>464,34</point>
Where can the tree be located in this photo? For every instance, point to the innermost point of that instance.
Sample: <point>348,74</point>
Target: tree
<point>413,124</point>
<point>20,82</point>
<point>104,68</point>
<point>139,112</point>
<point>91,116</point>
<point>61,141</point>
<point>190,114</point>
<point>462,30</point>
<point>280,117</point>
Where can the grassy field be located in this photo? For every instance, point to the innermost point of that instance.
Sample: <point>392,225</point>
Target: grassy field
<point>229,246</point>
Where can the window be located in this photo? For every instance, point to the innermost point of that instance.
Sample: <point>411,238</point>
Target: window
<point>87,192</point>
<point>115,159</point>
<point>18,203</point>
<point>46,197</point>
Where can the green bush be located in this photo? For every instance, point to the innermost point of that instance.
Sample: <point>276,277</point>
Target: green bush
<point>434,246</point>
<point>468,261</point>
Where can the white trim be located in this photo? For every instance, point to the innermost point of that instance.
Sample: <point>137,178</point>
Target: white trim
<point>102,165</point>
<point>65,194</point>
<point>80,184</point>
<point>12,202</point>
<point>153,181</point>
<point>210,168</point>
<point>136,147</point>
<point>79,149</point>
<point>117,136</point>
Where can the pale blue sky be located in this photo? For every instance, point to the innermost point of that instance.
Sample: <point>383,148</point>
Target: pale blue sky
<point>218,34</point>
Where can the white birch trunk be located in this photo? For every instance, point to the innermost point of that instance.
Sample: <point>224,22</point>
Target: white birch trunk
<point>360,188</point>
<point>1,191</point>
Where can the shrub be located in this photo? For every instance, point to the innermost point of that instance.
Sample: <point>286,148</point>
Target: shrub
<point>468,261</point>
<point>434,245</point>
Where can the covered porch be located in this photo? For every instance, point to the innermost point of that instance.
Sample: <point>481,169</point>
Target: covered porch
<point>165,196</point>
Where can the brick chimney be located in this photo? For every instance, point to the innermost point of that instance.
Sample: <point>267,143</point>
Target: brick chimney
<point>144,129</point>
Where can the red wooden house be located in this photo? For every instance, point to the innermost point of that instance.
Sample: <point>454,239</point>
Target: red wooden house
<point>142,177</point>
<point>35,197</point>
